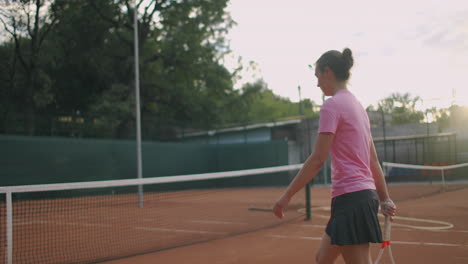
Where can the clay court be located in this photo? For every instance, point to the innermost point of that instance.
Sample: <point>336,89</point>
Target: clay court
<point>227,226</point>
<point>421,241</point>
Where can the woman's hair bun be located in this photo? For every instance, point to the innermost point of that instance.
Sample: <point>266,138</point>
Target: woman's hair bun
<point>339,63</point>
<point>347,56</point>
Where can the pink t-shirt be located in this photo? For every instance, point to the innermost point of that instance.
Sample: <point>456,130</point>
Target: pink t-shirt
<point>345,117</point>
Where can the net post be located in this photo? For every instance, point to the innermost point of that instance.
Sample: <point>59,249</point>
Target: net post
<point>308,204</point>
<point>9,229</point>
<point>325,172</point>
<point>443,179</point>
<point>385,169</point>
<point>308,198</point>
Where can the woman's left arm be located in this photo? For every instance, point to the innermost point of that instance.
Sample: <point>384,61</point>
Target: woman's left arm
<point>388,207</point>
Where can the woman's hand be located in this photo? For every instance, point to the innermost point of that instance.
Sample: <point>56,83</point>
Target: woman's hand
<point>388,208</point>
<point>280,206</point>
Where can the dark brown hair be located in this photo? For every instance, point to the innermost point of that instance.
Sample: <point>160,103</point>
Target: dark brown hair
<point>339,63</point>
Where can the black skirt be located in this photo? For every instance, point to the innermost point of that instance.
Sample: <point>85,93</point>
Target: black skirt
<point>354,219</point>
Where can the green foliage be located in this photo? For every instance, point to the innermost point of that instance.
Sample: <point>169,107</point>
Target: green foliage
<point>78,62</point>
<point>402,108</point>
<point>257,103</point>
<point>454,115</point>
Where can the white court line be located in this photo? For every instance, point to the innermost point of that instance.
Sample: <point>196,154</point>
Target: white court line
<point>112,226</point>
<point>394,228</point>
<point>455,231</point>
<point>314,226</point>
<point>428,244</point>
<point>217,222</point>
<point>441,231</point>
<point>443,225</point>
<point>300,237</point>
<point>178,230</point>
<point>223,233</point>
<point>59,223</point>
<point>393,242</point>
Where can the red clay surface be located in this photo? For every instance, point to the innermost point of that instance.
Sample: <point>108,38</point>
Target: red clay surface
<point>101,228</point>
<point>297,241</point>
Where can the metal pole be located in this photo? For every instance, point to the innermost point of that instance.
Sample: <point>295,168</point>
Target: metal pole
<point>325,166</point>
<point>424,150</point>
<point>449,156</point>
<point>307,187</point>
<point>443,180</point>
<point>9,227</point>
<point>137,104</point>
<point>416,150</point>
<point>455,146</point>
<point>325,172</point>
<point>384,132</point>
<point>300,100</point>
<point>427,123</point>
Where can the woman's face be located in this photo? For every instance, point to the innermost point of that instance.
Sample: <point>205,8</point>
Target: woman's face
<point>323,81</point>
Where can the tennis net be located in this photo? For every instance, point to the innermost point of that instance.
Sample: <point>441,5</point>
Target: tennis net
<point>415,181</point>
<point>90,222</point>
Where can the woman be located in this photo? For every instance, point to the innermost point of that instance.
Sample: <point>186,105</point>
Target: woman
<point>357,179</point>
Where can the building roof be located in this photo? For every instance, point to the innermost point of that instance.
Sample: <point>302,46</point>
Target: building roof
<point>414,137</point>
<point>242,128</point>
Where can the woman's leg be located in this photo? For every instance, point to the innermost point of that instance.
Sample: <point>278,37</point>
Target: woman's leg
<point>327,253</point>
<point>356,254</point>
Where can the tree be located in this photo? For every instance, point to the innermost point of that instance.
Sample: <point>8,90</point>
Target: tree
<point>28,27</point>
<point>452,116</point>
<point>74,59</point>
<point>192,76</point>
<point>180,43</point>
<point>402,108</point>
<point>257,103</point>
<point>7,76</point>
<point>91,69</point>
<point>84,64</point>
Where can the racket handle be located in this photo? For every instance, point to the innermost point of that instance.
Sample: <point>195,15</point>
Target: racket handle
<point>386,238</point>
<point>387,228</point>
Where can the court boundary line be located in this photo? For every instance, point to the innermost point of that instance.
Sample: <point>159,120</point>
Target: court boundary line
<point>416,243</point>
<point>444,225</point>
<point>106,225</point>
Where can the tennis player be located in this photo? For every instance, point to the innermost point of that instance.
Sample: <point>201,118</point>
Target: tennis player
<point>358,183</point>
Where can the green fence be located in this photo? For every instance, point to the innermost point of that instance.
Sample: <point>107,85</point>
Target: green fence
<point>42,160</point>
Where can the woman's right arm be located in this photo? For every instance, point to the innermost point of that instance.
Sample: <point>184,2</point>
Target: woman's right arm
<point>308,171</point>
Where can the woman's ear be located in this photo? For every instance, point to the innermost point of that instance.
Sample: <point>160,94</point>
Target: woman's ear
<point>327,72</point>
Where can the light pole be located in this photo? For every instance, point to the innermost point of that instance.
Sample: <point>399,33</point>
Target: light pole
<point>384,131</point>
<point>137,102</point>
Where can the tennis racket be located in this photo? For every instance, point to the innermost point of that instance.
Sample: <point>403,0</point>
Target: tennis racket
<point>386,242</point>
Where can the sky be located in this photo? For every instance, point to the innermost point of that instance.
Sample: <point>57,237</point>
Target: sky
<point>406,46</point>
